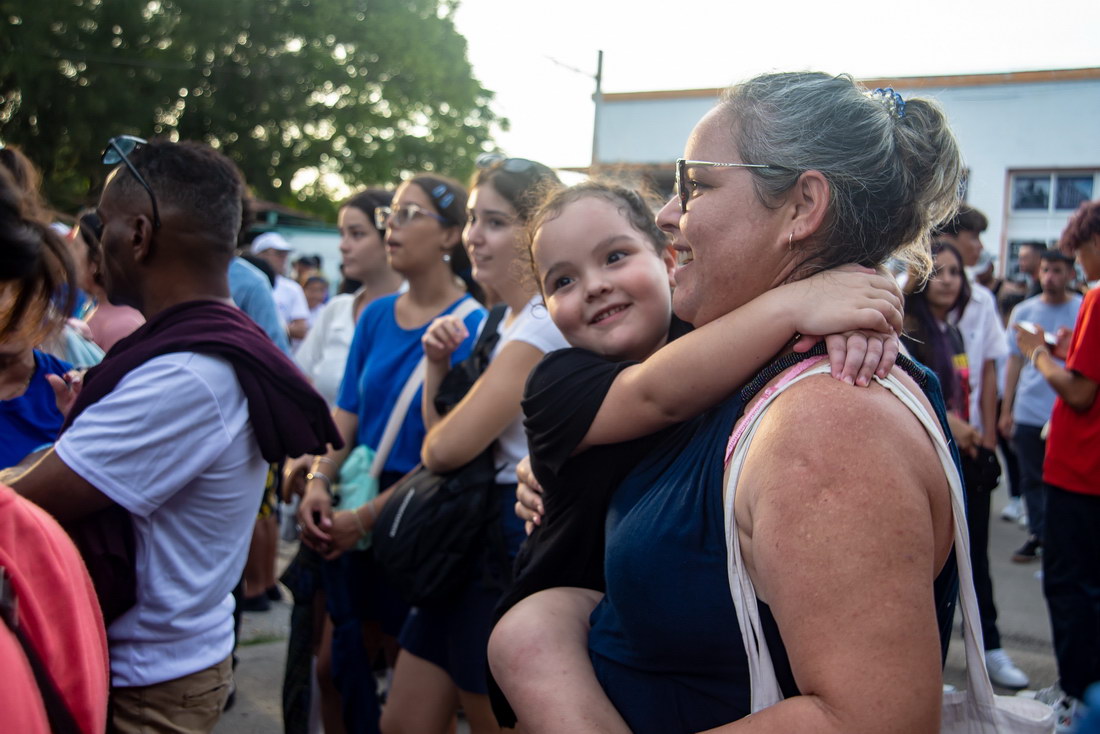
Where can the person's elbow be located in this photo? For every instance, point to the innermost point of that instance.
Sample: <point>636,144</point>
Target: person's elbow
<point>441,457</point>
<point>1081,396</point>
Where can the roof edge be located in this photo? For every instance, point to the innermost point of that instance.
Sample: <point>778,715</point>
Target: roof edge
<point>902,82</point>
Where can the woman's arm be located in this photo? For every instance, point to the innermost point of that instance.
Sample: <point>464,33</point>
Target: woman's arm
<point>492,403</point>
<point>699,369</point>
<point>844,518</point>
<point>315,510</point>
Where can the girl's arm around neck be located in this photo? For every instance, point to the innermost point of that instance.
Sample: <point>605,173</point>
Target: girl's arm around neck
<point>698,370</point>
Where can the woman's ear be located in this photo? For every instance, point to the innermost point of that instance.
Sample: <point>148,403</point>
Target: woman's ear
<point>809,201</point>
<point>452,237</point>
<point>668,257</point>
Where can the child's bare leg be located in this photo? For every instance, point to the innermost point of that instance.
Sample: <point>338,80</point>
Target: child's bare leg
<point>538,653</point>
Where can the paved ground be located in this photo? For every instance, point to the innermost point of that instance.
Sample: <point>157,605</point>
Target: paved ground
<point>1025,632</point>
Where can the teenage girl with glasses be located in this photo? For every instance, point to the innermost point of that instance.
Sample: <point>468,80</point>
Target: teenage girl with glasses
<point>384,352</point>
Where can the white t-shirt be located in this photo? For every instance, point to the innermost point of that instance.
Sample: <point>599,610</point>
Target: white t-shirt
<point>290,299</point>
<point>533,325</point>
<point>324,352</point>
<point>984,339</point>
<point>173,445</point>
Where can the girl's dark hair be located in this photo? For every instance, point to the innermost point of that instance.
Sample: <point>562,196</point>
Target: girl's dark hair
<point>368,200</point>
<point>521,182</point>
<point>447,195</point>
<point>937,351</point>
<point>449,199</point>
<point>36,268</point>
<point>631,204</point>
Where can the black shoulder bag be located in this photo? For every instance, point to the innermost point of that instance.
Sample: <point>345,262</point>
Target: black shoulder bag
<point>435,527</point>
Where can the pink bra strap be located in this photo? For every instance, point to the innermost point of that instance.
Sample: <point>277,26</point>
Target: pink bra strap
<point>792,373</point>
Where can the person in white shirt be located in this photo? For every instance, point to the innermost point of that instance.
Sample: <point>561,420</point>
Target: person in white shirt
<point>289,296</point>
<point>172,443</point>
<point>984,339</point>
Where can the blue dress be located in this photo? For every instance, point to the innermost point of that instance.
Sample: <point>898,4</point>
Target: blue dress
<point>664,641</point>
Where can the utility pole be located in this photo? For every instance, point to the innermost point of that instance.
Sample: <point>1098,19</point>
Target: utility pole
<point>597,98</point>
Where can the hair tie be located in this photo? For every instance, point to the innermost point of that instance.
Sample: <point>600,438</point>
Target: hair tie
<point>891,100</point>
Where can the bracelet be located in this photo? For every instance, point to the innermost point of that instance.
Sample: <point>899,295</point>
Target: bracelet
<point>320,475</point>
<point>1035,355</point>
<point>359,522</point>
<point>325,459</point>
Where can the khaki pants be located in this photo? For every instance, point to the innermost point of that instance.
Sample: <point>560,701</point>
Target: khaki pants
<point>188,705</point>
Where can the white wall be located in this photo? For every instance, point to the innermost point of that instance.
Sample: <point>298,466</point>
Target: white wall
<point>1006,127</point>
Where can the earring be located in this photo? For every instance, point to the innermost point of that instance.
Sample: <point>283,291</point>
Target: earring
<point>790,240</point>
<point>446,257</point>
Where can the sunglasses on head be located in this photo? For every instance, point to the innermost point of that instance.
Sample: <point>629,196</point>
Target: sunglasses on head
<point>117,151</point>
<point>682,164</point>
<point>511,165</point>
<point>385,216</point>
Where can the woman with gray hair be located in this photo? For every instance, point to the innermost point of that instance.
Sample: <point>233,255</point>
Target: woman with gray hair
<point>839,511</point>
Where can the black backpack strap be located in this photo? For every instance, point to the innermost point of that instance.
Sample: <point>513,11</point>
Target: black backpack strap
<point>60,718</point>
<point>490,335</point>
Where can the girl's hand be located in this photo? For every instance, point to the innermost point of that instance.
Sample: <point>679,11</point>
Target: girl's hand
<point>856,356</point>
<point>443,337</point>
<point>315,517</point>
<point>845,299</point>
<point>529,506</point>
<point>66,389</point>
<point>346,532</point>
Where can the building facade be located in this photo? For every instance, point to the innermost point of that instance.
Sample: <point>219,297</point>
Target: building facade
<point>1030,140</point>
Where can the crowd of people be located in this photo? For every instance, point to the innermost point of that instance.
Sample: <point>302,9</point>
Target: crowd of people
<point>726,415</point>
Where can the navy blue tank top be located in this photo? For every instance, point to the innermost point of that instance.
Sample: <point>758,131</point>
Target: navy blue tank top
<point>664,641</point>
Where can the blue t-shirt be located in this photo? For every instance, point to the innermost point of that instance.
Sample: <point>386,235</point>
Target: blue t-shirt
<point>382,357</point>
<point>1034,399</point>
<point>31,420</point>
<point>251,291</point>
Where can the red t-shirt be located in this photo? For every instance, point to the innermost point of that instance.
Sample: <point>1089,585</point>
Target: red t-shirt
<point>1073,447</point>
<point>57,609</point>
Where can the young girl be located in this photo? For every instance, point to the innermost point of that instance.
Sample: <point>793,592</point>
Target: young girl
<point>443,659</point>
<point>595,411</point>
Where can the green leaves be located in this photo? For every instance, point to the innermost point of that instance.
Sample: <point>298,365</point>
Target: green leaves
<point>292,90</point>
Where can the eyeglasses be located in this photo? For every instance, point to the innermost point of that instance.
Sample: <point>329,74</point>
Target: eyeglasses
<point>511,165</point>
<point>117,150</point>
<point>386,216</point>
<point>681,175</point>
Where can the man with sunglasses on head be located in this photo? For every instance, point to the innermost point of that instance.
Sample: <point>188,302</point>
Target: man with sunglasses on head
<point>168,442</point>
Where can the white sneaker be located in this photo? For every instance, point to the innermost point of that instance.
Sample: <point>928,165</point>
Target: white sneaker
<point>1002,671</point>
<point>1013,510</point>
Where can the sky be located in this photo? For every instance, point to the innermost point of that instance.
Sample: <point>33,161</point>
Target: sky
<point>539,58</point>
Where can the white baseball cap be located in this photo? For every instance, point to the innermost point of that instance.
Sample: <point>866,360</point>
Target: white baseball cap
<point>270,241</point>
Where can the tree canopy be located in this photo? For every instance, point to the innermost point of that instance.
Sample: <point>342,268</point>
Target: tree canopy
<point>294,91</point>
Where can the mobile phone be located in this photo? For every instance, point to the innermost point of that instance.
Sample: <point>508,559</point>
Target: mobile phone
<point>1031,328</point>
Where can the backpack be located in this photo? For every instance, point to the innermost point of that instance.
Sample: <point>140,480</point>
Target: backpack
<point>435,528</point>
